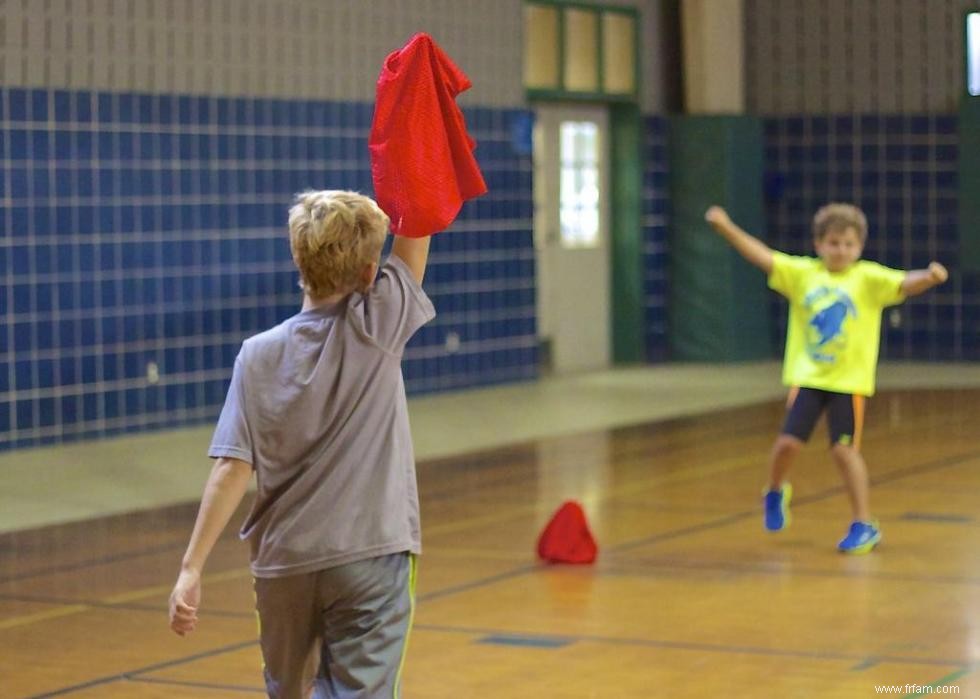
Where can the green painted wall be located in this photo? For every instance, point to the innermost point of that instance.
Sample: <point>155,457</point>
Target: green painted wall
<point>719,304</point>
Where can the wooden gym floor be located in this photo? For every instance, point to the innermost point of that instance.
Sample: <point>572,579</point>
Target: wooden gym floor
<point>689,597</point>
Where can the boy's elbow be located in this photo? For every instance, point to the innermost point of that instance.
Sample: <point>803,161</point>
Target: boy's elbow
<point>414,252</point>
<point>765,262</point>
<point>229,469</point>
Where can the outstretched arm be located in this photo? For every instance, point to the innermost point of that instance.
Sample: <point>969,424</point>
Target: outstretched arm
<point>225,489</point>
<point>919,280</point>
<point>414,252</point>
<point>748,246</point>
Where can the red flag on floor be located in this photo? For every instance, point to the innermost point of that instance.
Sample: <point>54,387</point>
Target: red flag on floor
<point>566,538</point>
<point>422,161</point>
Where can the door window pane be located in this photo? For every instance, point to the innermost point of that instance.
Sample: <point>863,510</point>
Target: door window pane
<point>973,52</point>
<point>579,189</point>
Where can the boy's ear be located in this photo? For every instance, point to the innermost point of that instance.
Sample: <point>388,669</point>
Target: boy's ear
<point>368,274</point>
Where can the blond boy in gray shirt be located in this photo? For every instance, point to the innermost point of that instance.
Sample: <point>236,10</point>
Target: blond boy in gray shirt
<point>316,409</point>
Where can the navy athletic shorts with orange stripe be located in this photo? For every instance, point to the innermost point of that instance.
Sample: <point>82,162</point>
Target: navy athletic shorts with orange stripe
<point>845,415</point>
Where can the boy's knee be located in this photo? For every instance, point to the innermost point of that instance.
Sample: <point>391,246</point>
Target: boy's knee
<point>788,444</point>
<point>843,452</point>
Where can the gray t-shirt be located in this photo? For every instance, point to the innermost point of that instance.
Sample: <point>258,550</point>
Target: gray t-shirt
<point>317,406</point>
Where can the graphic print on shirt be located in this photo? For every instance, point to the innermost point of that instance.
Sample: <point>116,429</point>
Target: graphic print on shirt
<point>828,309</point>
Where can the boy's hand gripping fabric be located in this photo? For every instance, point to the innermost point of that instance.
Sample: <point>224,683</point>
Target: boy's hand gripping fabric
<point>422,161</point>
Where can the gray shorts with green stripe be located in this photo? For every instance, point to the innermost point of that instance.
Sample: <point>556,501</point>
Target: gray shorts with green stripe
<point>341,632</point>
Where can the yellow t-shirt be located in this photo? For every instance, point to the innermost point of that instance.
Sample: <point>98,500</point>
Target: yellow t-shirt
<point>834,321</point>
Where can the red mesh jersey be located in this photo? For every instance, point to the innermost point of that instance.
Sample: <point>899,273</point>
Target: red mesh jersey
<point>422,160</point>
<point>566,538</point>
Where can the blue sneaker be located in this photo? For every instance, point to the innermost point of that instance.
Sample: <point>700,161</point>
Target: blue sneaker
<point>777,515</point>
<point>861,538</point>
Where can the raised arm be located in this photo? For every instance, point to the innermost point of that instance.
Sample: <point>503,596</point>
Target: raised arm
<point>223,492</point>
<point>748,246</point>
<point>414,252</point>
<point>919,280</point>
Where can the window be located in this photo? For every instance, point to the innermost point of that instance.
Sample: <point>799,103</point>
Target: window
<point>541,36</point>
<point>973,53</point>
<point>579,194</point>
<point>580,51</point>
<point>619,53</point>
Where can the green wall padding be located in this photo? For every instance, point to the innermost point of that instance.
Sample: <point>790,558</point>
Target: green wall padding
<point>719,303</point>
<point>627,237</point>
<point>969,184</point>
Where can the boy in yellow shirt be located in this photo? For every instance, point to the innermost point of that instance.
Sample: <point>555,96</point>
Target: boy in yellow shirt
<point>831,355</point>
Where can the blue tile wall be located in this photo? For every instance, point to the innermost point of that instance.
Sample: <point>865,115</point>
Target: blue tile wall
<point>140,228</point>
<point>901,170</point>
<point>656,218</point>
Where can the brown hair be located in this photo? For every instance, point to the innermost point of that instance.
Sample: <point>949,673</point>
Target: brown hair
<point>334,235</point>
<point>838,217</point>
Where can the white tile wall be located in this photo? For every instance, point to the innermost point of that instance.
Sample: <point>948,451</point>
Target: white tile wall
<point>328,49</point>
<point>895,56</point>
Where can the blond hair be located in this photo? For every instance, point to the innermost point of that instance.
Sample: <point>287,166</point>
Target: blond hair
<point>838,217</point>
<point>334,235</point>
